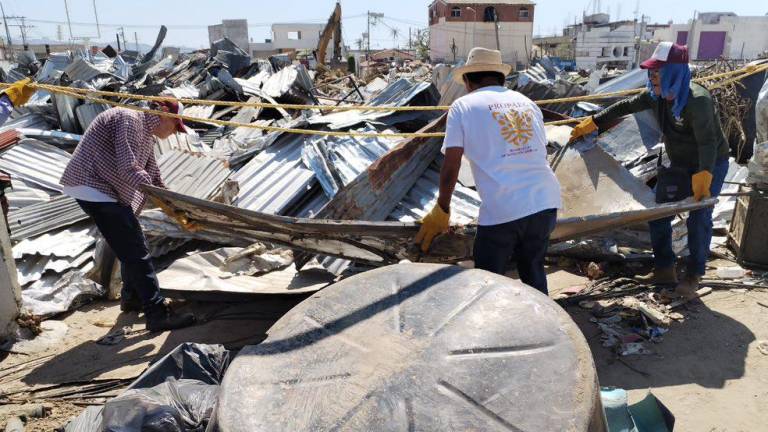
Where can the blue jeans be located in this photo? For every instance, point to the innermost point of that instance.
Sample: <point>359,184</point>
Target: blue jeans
<point>123,234</point>
<point>523,240</point>
<point>699,231</point>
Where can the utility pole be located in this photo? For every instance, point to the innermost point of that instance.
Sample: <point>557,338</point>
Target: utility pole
<point>117,36</point>
<point>59,33</point>
<point>22,27</point>
<point>69,23</point>
<point>375,16</point>
<point>96,15</point>
<point>7,33</point>
<point>410,41</point>
<point>136,38</point>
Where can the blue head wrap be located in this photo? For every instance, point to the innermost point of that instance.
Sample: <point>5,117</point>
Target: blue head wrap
<point>675,81</point>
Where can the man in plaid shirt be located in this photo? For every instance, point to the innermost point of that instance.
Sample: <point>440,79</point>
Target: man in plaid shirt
<point>114,158</point>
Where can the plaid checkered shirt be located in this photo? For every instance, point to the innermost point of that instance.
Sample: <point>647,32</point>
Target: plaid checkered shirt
<point>116,155</point>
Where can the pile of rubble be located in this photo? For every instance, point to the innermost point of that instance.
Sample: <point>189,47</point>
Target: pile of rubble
<point>61,261</point>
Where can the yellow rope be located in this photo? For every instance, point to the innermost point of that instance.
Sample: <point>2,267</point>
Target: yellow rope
<point>88,94</point>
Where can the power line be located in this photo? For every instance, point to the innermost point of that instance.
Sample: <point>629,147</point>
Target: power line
<point>183,26</point>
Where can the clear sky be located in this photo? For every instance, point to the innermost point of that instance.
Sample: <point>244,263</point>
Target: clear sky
<point>187,19</point>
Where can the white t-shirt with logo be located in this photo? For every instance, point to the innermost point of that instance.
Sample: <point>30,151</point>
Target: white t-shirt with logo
<point>502,133</point>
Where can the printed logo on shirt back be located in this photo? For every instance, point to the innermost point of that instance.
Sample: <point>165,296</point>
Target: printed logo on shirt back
<point>516,126</point>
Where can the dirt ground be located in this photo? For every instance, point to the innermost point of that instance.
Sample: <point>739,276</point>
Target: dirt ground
<point>707,370</point>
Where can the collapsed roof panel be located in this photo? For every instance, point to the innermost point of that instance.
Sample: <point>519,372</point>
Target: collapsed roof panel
<point>36,162</point>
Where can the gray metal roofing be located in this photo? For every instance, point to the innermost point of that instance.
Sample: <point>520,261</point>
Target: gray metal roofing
<point>29,120</point>
<point>195,175</point>
<point>274,178</point>
<point>399,93</point>
<point>37,219</point>
<point>465,203</point>
<point>36,162</point>
<point>189,142</point>
<point>23,194</point>
<point>86,113</point>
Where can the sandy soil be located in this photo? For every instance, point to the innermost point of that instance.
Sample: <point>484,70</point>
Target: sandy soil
<point>707,370</point>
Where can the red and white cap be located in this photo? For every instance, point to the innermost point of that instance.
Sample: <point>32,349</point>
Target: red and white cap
<point>174,108</point>
<point>666,52</point>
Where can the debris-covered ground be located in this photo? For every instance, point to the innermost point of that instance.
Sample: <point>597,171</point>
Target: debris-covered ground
<point>705,358</point>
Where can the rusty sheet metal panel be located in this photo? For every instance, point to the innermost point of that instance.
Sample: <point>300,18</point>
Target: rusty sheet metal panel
<point>375,193</point>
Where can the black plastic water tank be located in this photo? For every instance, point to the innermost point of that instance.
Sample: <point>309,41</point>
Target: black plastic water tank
<point>416,347</point>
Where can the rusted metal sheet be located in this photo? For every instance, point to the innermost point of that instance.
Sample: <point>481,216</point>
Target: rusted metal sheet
<point>375,193</point>
<point>374,243</point>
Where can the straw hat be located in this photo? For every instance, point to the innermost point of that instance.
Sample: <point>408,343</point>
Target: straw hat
<point>482,60</point>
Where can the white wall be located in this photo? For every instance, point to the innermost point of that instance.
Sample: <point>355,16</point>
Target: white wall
<point>590,44</point>
<point>10,292</point>
<point>749,32</point>
<point>514,38</point>
<point>310,35</point>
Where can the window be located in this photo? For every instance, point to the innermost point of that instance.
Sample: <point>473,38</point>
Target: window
<point>490,14</point>
<point>606,52</point>
<point>294,35</point>
<point>524,13</point>
<point>626,51</point>
<point>455,12</point>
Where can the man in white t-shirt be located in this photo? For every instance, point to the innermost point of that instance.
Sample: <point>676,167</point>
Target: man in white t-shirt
<point>501,133</point>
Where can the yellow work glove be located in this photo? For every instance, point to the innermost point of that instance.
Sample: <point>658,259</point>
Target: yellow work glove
<point>179,217</point>
<point>701,182</point>
<point>436,222</point>
<point>20,92</point>
<point>586,127</point>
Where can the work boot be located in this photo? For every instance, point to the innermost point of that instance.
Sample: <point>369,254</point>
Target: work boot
<point>161,317</point>
<point>686,288</point>
<point>659,276</point>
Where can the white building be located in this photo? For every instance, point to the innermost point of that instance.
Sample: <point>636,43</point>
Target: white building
<point>720,34</point>
<point>291,37</point>
<point>235,30</point>
<point>456,26</point>
<point>600,42</point>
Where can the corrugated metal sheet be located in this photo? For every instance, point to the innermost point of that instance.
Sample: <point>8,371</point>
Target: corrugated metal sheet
<point>53,67</point>
<point>344,158</point>
<point>37,219</point>
<point>22,195</point>
<point>83,70</point>
<point>189,142</point>
<point>465,203</point>
<point>29,120</point>
<point>53,137</point>
<point>399,93</point>
<point>199,111</point>
<point>184,91</point>
<point>36,162</point>
<point>70,242</point>
<point>86,113</point>
<point>8,138</point>
<point>195,175</point>
<point>275,178</point>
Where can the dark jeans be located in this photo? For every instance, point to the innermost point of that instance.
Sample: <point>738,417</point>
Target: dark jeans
<point>524,241</point>
<point>123,234</point>
<point>699,231</point>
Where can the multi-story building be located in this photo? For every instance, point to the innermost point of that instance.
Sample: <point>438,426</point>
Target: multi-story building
<point>600,42</point>
<point>456,26</point>
<point>720,34</point>
<point>289,38</point>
